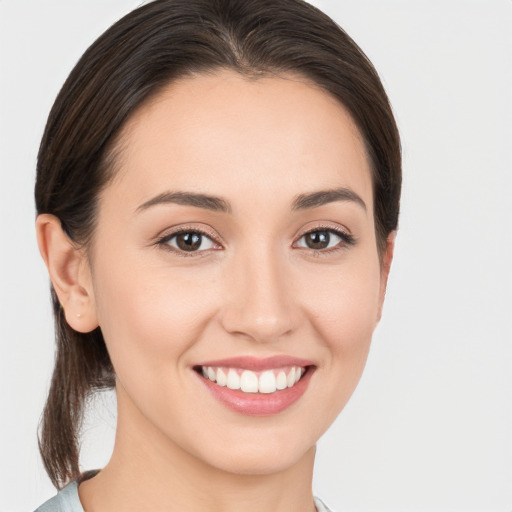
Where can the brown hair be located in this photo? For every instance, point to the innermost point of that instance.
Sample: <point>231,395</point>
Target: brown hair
<point>131,62</point>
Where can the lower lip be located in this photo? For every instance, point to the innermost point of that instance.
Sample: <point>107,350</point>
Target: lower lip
<point>258,404</point>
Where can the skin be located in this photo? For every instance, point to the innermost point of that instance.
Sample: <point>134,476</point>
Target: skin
<point>257,290</point>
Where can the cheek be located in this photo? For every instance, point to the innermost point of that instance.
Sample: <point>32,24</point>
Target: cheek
<point>343,309</point>
<point>150,318</point>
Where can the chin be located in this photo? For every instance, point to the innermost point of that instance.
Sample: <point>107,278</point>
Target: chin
<point>261,463</point>
<point>273,454</point>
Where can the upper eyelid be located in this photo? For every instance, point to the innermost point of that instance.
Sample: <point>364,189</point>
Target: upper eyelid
<point>346,236</point>
<point>170,232</point>
<point>325,227</point>
<point>207,232</point>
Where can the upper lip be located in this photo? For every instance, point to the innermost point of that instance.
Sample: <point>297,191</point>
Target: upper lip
<point>258,364</point>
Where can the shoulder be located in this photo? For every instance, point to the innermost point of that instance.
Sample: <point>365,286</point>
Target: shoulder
<point>321,506</point>
<point>66,500</point>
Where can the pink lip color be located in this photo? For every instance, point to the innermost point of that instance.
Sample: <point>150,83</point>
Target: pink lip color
<point>256,364</point>
<point>259,404</point>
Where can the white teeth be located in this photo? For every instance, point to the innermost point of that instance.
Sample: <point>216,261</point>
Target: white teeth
<point>291,378</point>
<point>268,381</point>
<point>222,378</point>
<point>249,382</point>
<point>233,381</point>
<point>281,382</point>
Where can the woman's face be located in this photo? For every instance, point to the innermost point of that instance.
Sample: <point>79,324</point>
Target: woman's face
<point>237,240</point>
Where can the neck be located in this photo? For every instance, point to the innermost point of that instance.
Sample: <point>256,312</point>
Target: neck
<point>148,471</point>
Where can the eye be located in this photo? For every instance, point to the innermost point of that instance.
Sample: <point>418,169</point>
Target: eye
<point>188,241</point>
<point>322,239</point>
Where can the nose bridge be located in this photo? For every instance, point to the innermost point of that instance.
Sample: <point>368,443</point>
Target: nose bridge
<point>260,303</point>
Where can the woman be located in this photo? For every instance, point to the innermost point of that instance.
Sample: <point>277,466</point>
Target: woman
<point>217,194</point>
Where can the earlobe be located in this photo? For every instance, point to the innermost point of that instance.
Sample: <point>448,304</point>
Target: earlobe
<point>387,259</point>
<point>69,272</point>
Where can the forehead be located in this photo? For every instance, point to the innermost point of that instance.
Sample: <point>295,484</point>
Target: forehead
<point>221,133</point>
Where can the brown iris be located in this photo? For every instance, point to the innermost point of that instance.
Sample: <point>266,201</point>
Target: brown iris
<point>189,241</point>
<point>317,239</point>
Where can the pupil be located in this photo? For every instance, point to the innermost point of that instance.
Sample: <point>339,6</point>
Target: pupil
<point>317,239</point>
<point>189,241</point>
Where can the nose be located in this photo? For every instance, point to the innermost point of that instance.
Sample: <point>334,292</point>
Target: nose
<point>259,302</point>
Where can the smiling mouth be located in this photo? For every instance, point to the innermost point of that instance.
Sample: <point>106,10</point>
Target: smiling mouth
<point>256,382</point>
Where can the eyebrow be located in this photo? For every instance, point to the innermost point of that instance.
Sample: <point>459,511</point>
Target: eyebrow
<point>217,204</point>
<point>207,202</point>
<point>316,199</point>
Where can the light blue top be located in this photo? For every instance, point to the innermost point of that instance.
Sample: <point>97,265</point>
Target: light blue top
<point>67,500</point>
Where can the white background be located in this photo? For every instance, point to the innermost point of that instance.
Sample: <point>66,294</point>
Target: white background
<point>430,426</point>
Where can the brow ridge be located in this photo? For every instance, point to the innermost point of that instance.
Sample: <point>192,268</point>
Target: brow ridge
<point>205,201</point>
<point>213,203</point>
<point>322,197</point>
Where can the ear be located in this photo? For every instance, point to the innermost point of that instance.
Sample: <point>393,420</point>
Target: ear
<point>69,272</point>
<point>386,260</point>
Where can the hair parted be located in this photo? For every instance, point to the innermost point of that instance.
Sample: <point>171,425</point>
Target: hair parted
<point>131,62</point>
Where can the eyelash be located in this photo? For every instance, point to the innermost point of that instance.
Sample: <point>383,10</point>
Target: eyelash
<point>347,240</point>
<point>165,239</point>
